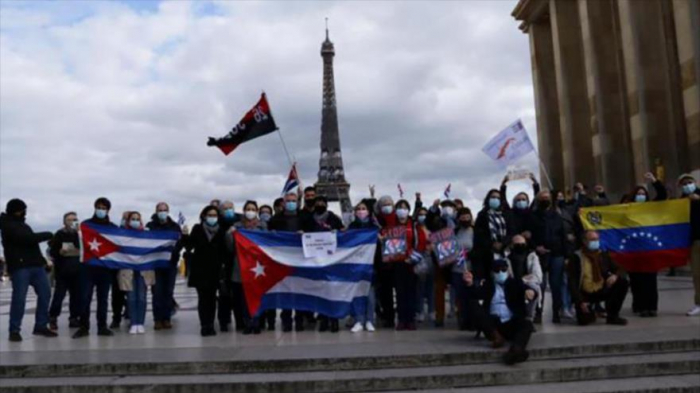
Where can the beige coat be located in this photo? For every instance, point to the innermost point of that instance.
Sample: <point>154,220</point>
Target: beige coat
<point>126,278</point>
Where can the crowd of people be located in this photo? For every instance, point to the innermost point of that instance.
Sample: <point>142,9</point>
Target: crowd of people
<point>514,250</point>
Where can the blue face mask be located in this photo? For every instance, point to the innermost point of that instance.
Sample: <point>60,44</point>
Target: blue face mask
<point>163,216</point>
<point>290,206</point>
<point>689,188</point>
<point>387,209</point>
<point>265,217</point>
<point>229,214</point>
<point>494,203</point>
<point>421,219</point>
<point>521,204</point>
<point>135,224</point>
<point>640,198</point>
<point>211,221</point>
<point>594,245</point>
<point>100,213</point>
<point>500,277</point>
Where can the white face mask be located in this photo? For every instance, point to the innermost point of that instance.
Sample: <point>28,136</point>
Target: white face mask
<point>387,209</point>
<point>402,213</point>
<point>250,214</point>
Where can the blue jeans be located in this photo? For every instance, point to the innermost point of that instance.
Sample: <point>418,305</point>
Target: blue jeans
<point>368,315</point>
<point>163,294</point>
<point>22,279</point>
<point>137,300</point>
<point>556,283</point>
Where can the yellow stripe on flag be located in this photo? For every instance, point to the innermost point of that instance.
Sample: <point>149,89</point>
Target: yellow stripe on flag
<point>635,215</point>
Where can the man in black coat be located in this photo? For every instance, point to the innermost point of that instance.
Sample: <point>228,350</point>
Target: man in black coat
<point>97,279</point>
<point>164,288</point>
<point>25,264</point>
<point>289,221</point>
<point>503,313</point>
<point>64,248</point>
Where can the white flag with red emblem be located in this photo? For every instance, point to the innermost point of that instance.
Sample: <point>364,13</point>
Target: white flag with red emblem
<point>509,145</point>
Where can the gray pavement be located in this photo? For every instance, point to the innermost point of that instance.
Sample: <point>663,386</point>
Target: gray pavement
<point>183,343</point>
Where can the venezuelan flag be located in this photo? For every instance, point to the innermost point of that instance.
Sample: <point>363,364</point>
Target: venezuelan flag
<point>643,237</point>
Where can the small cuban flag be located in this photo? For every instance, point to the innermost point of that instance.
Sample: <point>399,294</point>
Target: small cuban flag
<point>119,248</point>
<point>292,180</point>
<point>448,191</point>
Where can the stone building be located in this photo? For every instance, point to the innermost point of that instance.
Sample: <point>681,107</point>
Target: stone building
<point>616,88</point>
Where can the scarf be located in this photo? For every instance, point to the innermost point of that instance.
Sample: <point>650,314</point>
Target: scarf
<point>497,225</point>
<point>251,224</point>
<point>518,263</point>
<point>210,231</point>
<point>596,259</point>
<point>322,220</point>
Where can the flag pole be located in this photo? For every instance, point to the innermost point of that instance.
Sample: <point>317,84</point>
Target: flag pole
<point>544,170</point>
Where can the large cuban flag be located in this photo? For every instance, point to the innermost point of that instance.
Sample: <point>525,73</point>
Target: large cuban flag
<point>118,248</point>
<point>276,274</point>
<point>643,237</point>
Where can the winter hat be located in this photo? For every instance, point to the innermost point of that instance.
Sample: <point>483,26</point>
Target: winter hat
<point>685,176</point>
<point>499,263</point>
<point>15,206</point>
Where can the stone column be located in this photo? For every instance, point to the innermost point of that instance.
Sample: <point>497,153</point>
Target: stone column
<point>609,125</point>
<point>687,24</point>
<point>652,76</point>
<point>572,91</point>
<point>546,102</point>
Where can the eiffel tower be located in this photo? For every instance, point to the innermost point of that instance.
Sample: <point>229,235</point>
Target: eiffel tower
<point>331,175</point>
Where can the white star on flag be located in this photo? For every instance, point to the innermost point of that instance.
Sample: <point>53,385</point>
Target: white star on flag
<point>259,269</point>
<point>95,245</point>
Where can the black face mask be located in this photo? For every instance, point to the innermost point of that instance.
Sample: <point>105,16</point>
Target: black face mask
<point>520,249</point>
<point>308,202</point>
<point>544,205</point>
<point>465,224</point>
<point>320,209</point>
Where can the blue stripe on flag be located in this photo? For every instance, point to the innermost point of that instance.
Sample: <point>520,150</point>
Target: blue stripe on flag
<point>651,238</point>
<point>346,239</point>
<point>157,264</point>
<point>329,308</point>
<point>145,251</point>
<point>347,272</point>
<point>151,235</point>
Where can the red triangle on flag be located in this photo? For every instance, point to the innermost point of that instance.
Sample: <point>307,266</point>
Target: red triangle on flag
<point>259,272</point>
<point>94,245</point>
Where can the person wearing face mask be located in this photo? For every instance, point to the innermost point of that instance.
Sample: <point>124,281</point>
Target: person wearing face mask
<point>99,279</point>
<point>25,264</point>
<point>225,302</point>
<point>581,197</point>
<point>164,288</point>
<point>250,222</point>
<point>323,220</point>
<point>64,248</point>
<point>689,189</point>
<point>386,217</point>
<point>120,304</point>
<point>525,265</point>
<point>404,278</point>
<point>289,221</point>
<point>208,250</point>
<point>135,283</point>
<point>593,278</point>
<point>426,280</point>
<point>549,238</point>
<point>465,240</point>
<point>442,214</point>
<point>265,215</point>
<point>643,285</point>
<point>364,220</point>
<point>492,232</point>
<point>309,203</point>
<point>503,315</point>
<point>504,189</point>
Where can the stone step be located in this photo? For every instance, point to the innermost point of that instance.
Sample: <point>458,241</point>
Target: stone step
<point>669,384</point>
<point>336,362</point>
<point>413,378</point>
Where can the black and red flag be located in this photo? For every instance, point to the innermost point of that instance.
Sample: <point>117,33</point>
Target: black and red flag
<point>257,122</point>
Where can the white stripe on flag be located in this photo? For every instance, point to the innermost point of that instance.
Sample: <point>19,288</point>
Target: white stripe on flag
<point>337,291</point>
<point>126,241</point>
<point>137,259</point>
<point>294,256</point>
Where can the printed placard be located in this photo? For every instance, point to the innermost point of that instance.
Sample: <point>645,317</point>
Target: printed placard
<point>394,247</point>
<point>445,245</point>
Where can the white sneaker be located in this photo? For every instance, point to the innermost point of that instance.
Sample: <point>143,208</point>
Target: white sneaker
<point>420,317</point>
<point>567,314</point>
<point>134,329</point>
<point>694,312</point>
<point>357,328</point>
<point>369,327</point>
<point>141,329</point>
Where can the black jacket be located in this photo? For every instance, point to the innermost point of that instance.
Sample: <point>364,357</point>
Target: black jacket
<point>574,269</point>
<point>548,230</point>
<point>514,291</point>
<point>284,222</point>
<point>65,266</point>
<point>207,259</point>
<point>482,254</point>
<point>21,244</point>
<point>309,223</point>
<point>169,225</point>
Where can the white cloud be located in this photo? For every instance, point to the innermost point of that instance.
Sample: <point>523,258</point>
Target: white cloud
<point>107,99</point>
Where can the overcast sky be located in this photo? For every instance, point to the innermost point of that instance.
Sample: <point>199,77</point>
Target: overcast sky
<point>118,99</point>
